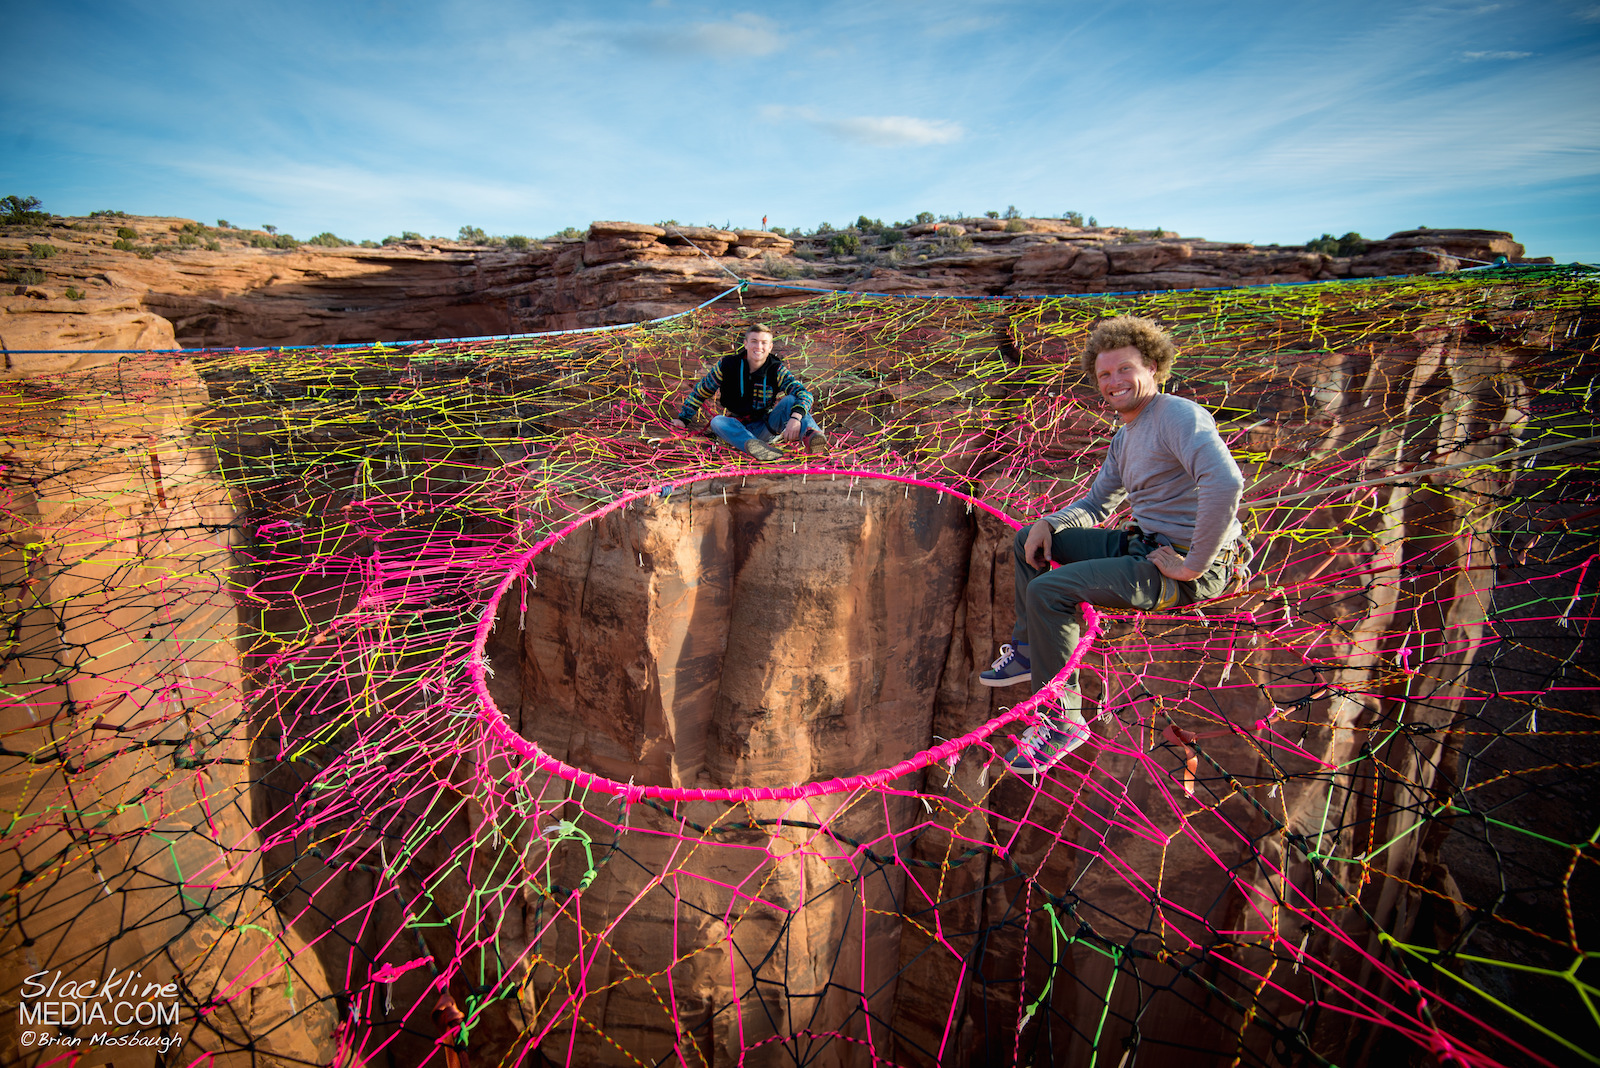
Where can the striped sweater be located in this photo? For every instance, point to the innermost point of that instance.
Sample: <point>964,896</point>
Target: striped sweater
<point>747,395</point>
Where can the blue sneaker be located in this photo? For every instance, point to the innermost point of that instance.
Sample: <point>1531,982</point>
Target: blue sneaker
<point>1010,669</point>
<point>1044,744</point>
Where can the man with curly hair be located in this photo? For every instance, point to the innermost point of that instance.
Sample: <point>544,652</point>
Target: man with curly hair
<point>1184,543</point>
<point>762,397</point>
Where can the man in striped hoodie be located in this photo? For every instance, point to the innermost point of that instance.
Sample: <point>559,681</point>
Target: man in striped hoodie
<point>762,398</point>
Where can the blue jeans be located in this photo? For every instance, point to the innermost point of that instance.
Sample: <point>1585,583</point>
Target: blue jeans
<point>736,432</point>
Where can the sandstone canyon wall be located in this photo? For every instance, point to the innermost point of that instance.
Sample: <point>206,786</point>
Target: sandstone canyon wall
<point>87,294</point>
<point>339,827</point>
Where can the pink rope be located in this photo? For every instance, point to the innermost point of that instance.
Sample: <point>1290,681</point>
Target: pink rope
<point>500,730</point>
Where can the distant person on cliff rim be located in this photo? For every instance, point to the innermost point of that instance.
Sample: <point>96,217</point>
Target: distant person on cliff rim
<point>762,399</point>
<point>1184,543</point>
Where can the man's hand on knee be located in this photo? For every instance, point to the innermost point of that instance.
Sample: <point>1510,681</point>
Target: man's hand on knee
<point>1038,546</point>
<point>1170,564</point>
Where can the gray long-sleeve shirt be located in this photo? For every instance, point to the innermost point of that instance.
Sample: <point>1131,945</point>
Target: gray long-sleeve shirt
<point>1177,474</point>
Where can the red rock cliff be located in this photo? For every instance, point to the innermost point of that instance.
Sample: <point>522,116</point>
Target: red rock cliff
<point>164,292</point>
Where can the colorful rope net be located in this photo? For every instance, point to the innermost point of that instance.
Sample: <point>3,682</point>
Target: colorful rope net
<point>441,703</point>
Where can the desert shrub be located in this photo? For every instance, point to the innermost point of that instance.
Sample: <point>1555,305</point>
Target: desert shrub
<point>213,246</point>
<point>804,254</point>
<point>108,213</point>
<point>517,242</point>
<point>570,233</point>
<point>369,243</point>
<point>1011,212</point>
<point>844,244</point>
<point>127,233</point>
<point>24,276</point>
<point>1093,221</point>
<point>42,252</point>
<point>17,211</point>
<point>74,294</point>
<point>778,267</point>
<point>188,239</point>
<point>890,236</point>
<point>1351,244</point>
<point>269,228</point>
<point>327,239</point>
<point>224,224</point>
<point>823,228</point>
<point>950,244</point>
<point>924,217</point>
<point>1015,226</point>
<point>473,235</point>
<point>869,226</point>
<point>122,243</point>
<point>991,215</point>
<point>273,241</point>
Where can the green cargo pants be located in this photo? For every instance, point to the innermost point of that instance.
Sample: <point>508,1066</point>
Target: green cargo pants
<point>1105,568</point>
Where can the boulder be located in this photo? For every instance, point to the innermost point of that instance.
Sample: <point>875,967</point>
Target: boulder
<point>1041,264</point>
<point>607,228</point>
<point>764,239</point>
<point>1481,245</point>
<point>1144,256</point>
<point>704,238</point>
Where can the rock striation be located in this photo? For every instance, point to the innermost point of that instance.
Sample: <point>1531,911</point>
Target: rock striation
<point>173,291</point>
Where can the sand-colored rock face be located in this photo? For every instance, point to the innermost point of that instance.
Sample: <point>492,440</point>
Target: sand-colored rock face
<point>756,632</point>
<point>120,663</point>
<point>784,632</point>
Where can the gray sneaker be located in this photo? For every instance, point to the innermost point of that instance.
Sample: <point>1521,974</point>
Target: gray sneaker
<point>760,450</point>
<point>1010,669</point>
<point>1044,744</point>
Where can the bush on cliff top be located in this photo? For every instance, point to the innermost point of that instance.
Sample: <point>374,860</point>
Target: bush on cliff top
<point>21,211</point>
<point>274,241</point>
<point>1351,244</point>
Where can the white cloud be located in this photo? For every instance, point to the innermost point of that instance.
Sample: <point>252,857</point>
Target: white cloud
<point>1589,14</point>
<point>746,35</point>
<point>1475,56</point>
<point>883,131</point>
<point>889,130</point>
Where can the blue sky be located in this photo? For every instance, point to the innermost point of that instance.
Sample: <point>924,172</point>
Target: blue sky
<point>1264,122</point>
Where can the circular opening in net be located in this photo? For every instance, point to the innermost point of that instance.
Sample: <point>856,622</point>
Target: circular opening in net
<point>753,631</point>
